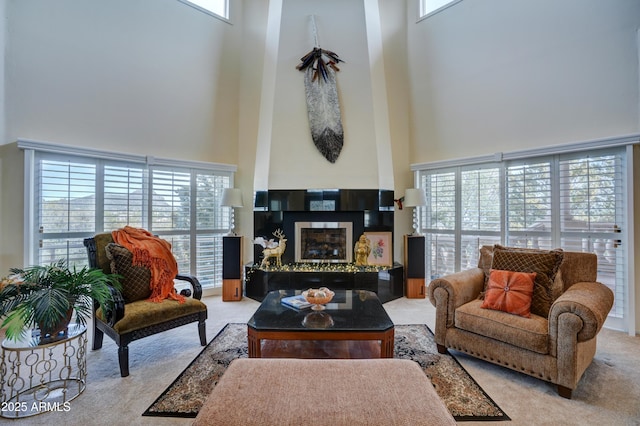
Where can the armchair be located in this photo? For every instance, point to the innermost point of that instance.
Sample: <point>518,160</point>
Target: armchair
<point>133,316</point>
<point>556,348</point>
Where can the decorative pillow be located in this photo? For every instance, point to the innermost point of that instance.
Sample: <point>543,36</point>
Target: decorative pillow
<point>510,292</point>
<point>544,263</point>
<point>135,279</point>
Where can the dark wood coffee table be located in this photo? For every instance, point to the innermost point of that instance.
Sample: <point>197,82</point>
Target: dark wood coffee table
<point>351,315</point>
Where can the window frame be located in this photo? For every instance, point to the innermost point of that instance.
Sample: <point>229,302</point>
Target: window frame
<point>624,146</point>
<point>226,17</point>
<point>33,151</point>
<point>425,12</point>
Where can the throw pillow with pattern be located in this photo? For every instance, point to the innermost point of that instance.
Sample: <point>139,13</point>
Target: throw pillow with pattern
<point>135,279</point>
<point>544,263</point>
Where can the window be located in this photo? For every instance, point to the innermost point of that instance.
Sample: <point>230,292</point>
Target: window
<point>218,8</point>
<point>431,7</point>
<point>75,196</point>
<point>573,200</point>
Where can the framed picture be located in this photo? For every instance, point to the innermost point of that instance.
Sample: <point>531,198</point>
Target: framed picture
<point>381,248</point>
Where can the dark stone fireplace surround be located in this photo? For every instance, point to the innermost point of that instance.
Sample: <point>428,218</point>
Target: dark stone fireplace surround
<point>369,210</point>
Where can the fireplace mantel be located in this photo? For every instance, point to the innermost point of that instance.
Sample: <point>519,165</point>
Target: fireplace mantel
<point>388,284</point>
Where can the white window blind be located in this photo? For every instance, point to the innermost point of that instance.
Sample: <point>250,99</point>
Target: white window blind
<point>78,196</point>
<point>592,216</point>
<point>171,200</point>
<point>480,201</point>
<point>125,197</point>
<point>439,217</point>
<point>441,201</point>
<point>528,202</point>
<point>574,201</point>
<point>65,192</point>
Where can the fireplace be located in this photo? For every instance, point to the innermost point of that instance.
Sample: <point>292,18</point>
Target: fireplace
<point>326,215</point>
<point>321,227</point>
<point>323,242</point>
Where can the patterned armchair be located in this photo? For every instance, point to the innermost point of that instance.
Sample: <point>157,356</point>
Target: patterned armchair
<point>133,316</point>
<point>555,343</point>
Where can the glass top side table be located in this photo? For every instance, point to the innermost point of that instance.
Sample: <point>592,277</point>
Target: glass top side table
<point>36,377</point>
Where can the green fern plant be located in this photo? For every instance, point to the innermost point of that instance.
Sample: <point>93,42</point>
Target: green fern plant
<point>45,296</point>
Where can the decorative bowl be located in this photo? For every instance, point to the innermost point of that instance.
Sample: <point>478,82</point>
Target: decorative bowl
<point>318,297</point>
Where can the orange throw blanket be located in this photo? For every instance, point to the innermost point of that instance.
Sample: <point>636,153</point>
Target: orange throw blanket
<point>154,253</point>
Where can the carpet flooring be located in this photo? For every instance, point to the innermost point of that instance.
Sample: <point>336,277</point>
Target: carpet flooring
<point>464,398</point>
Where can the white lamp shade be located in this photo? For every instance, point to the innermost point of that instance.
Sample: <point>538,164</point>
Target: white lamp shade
<point>231,197</point>
<point>414,197</point>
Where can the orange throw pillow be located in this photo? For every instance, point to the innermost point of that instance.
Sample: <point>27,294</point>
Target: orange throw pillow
<point>510,292</point>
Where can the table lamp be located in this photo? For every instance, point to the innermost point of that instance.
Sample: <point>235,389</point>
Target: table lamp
<point>415,198</point>
<point>232,197</point>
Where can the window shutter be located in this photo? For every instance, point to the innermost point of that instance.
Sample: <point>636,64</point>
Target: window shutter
<point>480,199</point>
<point>210,215</point>
<point>441,200</point>
<point>528,189</point>
<point>480,212</point>
<point>171,200</point>
<point>592,216</point>
<point>65,208</point>
<point>125,197</point>
<point>439,217</point>
<point>77,196</point>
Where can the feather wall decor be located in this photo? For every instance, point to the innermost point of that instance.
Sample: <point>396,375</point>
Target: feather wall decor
<point>323,108</point>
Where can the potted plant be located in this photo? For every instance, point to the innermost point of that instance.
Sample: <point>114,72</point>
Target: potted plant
<point>46,296</point>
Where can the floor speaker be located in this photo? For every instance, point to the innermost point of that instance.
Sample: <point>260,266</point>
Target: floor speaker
<point>414,266</point>
<point>231,268</point>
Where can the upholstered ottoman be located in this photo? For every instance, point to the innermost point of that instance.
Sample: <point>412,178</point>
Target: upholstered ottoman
<point>272,391</point>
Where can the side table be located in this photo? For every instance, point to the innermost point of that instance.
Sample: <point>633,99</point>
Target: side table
<point>38,377</point>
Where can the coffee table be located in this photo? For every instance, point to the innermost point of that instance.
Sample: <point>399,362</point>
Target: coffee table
<point>351,315</point>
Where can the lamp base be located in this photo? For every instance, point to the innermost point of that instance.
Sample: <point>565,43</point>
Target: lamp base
<point>415,223</point>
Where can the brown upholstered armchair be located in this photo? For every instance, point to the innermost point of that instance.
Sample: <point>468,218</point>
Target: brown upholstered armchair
<point>133,316</point>
<point>557,347</point>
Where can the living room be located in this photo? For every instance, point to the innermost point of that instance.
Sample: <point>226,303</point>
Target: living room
<point>163,80</point>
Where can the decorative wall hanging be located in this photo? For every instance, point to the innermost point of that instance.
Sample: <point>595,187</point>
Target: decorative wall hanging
<point>323,108</point>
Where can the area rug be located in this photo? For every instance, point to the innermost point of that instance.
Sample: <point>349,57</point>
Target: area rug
<point>464,398</point>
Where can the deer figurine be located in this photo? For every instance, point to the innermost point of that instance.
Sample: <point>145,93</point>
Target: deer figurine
<point>276,251</point>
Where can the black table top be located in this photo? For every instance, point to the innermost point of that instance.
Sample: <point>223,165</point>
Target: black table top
<point>350,310</point>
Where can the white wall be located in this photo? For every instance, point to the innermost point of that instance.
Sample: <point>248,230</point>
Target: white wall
<point>502,75</point>
<point>157,78</point>
<point>294,161</point>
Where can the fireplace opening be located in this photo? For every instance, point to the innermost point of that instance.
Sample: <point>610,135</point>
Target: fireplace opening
<point>324,242</point>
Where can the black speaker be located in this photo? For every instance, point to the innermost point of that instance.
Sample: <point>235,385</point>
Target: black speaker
<point>231,262</point>
<point>415,254</point>
<point>414,266</point>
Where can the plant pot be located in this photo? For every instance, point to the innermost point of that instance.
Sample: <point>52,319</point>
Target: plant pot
<point>57,331</point>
